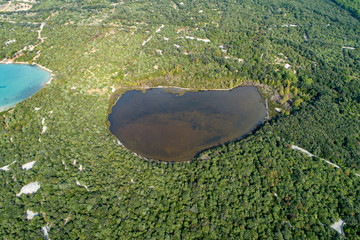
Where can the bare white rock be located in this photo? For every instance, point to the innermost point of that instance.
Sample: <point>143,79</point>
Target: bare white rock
<point>275,194</point>
<point>63,162</point>
<point>306,37</point>
<point>338,226</point>
<point>43,129</point>
<point>350,48</point>
<point>28,165</point>
<point>159,29</point>
<point>81,185</point>
<point>30,214</point>
<point>28,189</point>
<point>6,168</point>
<point>45,230</point>
<point>289,25</point>
<point>204,40</point>
<point>146,41</point>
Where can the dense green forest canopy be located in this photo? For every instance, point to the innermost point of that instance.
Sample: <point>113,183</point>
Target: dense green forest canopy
<point>303,55</point>
<point>352,5</point>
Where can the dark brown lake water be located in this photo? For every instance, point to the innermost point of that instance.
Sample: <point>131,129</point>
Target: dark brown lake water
<point>169,126</point>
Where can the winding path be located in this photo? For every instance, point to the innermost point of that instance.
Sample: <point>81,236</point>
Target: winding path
<point>6,7</point>
<point>312,155</point>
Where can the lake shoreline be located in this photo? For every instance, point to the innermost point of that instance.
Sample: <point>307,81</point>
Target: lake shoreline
<point>260,87</point>
<point>196,154</point>
<point>243,84</point>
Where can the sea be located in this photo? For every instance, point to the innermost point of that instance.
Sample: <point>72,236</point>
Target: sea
<point>19,82</point>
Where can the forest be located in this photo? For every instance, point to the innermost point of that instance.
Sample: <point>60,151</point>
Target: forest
<point>352,5</point>
<point>304,56</point>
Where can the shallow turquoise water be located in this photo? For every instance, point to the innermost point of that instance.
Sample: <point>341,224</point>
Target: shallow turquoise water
<point>18,82</point>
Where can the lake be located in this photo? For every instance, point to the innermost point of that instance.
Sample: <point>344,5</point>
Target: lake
<point>18,82</point>
<point>168,126</point>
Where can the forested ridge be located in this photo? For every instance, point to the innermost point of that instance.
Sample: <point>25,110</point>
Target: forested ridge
<point>304,57</point>
<point>352,5</point>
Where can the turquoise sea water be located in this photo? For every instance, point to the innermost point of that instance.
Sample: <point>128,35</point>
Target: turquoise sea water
<point>18,82</point>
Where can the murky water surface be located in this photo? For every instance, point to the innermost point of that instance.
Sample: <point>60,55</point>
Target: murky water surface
<point>168,126</point>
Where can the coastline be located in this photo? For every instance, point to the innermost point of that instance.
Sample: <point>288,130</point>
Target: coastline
<point>38,65</point>
<point>26,63</point>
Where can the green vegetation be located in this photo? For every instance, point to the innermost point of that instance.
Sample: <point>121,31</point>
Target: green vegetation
<point>352,5</point>
<point>257,187</point>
